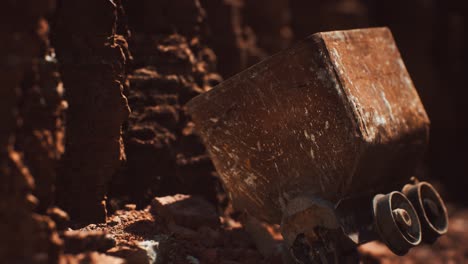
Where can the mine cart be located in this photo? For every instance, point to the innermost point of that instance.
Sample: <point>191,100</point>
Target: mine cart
<point>322,138</point>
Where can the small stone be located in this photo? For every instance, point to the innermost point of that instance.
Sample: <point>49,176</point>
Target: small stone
<point>210,255</point>
<point>90,258</point>
<point>132,254</point>
<point>60,217</point>
<point>114,221</point>
<point>210,238</point>
<point>182,232</point>
<point>185,210</point>
<point>77,241</point>
<point>192,260</point>
<point>130,207</point>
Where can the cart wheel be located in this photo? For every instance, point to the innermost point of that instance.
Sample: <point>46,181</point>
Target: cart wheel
<point>396,222</point>
<point>430,208</point>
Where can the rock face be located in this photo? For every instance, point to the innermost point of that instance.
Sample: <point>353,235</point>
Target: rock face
<point>92,58</point>
<point>26,237</point>
<point>312,16</point>
<point>41,111</point>
<point>171,65</point>
<point>231,38</point>
<point>271,22</point>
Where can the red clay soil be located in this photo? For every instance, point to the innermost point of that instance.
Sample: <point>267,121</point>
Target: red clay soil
<point>175,234</point>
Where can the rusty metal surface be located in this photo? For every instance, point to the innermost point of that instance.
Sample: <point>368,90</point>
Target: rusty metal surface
<point>431,210</point>
<point>397,222</point>
<point>385,106</point>
<point>332,117</point>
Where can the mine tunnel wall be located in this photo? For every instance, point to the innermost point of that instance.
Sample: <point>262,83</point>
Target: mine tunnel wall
<point>92,110</point>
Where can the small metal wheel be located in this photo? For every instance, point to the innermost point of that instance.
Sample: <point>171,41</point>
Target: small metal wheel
<point>397,222</point>
<point>430,208</point>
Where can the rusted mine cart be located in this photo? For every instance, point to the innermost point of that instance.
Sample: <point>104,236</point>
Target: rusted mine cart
<point>322,138</point>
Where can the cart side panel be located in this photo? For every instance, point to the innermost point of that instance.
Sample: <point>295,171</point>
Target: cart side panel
<point>278,130</point>
<point>390,116</point>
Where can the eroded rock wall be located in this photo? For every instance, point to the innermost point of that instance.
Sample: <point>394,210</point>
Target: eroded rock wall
<point>26,236</point>
<point>231,38</point>
<point>92,58</point>
<point>171,65</point>
<point>271,22</point>
<point>41,110</point>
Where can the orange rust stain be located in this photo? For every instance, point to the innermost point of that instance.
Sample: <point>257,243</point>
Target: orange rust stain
<point>247,164</point>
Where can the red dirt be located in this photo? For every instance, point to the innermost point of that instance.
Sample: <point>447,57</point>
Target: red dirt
<point>228,242</point>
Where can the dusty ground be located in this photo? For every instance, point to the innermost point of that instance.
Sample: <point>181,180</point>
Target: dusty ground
<point>174,235</point>
<point>451,248</point>
<point>181,236</point>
